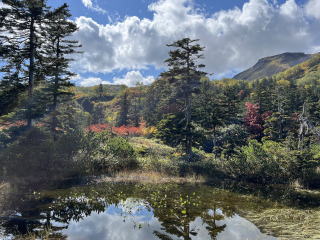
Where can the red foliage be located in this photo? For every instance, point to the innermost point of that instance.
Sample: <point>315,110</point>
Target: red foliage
<point>97,127</point>
<point>127,131</point>
<point>121,131</point>
<point>253,119</point>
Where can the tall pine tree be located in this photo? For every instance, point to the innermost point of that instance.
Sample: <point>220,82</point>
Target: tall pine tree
<point>58,46</point>
<point>21,42</point>
<point>185,74</point>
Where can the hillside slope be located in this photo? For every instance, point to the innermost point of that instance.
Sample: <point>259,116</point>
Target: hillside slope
<point>305,74</point>
<point>269,66</point>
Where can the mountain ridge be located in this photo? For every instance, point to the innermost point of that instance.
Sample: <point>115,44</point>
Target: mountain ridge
<point>271,65</point>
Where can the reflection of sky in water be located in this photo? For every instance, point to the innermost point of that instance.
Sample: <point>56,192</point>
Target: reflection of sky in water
<point>132,207</point>
<point>122,222</point>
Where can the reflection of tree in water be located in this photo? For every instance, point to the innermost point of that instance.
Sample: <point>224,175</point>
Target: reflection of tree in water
<point>176,207</point>
<point>211,220</point>
<point>29,217</point>
<point>177,211</point>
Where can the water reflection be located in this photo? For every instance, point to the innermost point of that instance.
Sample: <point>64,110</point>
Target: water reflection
<point>133,211</point>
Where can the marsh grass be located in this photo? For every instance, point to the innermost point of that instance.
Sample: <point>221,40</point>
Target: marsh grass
<point>288,223</point>
<point>151,177</point>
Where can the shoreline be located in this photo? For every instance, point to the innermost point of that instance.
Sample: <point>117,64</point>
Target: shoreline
<point>149,177</point>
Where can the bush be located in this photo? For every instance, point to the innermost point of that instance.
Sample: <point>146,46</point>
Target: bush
<point>35,156</point>
<point>154,156</point>
<point>104,153</point>
<point>269,162</point>
<point>203,167</point>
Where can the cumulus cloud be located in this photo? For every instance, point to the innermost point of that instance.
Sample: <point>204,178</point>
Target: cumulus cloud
<point>313,8</point>
<point>234,38</point>
<point>290,9</point>
<point>89,4</point>
<point>133,78</point>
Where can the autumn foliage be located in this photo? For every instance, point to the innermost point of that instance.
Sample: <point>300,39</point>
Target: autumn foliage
<point>142,130</point>
<point>253,119</point>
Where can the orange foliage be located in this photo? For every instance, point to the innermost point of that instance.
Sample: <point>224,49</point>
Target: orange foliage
<point>121,131</point>
<point>97,127</point>
<point>127,131</point>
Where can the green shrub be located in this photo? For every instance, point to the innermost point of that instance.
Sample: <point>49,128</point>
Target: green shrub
<point>104,153</point>
<point>162,165</point>
<point>203,167</point>
<point>268,162</point>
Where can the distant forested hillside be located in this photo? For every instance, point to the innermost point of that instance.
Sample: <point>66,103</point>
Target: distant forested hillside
<point>268,66</point>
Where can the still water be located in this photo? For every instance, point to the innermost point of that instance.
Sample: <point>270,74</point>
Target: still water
<point>119,211</point>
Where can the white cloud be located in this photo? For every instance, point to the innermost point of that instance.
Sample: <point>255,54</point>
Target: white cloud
<point>89,4</point>
<point>133,78</point>
<point>290,8</point>
<point>234,39</point>
<point>313,8</point>
<point>91,81</point>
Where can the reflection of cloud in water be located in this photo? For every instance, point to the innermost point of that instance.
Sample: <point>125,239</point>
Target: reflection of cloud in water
<point>239,228</point>
<point>112,225</point>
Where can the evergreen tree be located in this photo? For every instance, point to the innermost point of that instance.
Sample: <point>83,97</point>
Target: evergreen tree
<point>21,41</point>
<point>124,110</point>
<point>209,111</point>
<point>100,91</point>
<point>158,102</point>
<point>185,74</point>
<point>98,115</point>
<point>57,47</point>
<point>136,105</point>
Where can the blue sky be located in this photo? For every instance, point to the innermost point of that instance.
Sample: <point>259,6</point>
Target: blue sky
<point>124,40</point>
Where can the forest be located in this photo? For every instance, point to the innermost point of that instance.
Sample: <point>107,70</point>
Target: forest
<point>188,156</point>
<point>184,124</point>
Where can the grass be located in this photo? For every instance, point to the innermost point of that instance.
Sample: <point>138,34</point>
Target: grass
<point>151,177</point>
<point>288,223</point>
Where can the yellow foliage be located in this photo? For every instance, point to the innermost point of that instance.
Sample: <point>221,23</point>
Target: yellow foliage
<point>177,154</point>
<point>149,131</point>
<point>284,83</point>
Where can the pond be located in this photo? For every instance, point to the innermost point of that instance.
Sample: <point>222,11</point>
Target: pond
<point>120,211</point>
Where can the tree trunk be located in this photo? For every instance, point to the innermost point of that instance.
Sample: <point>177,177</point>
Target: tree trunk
<point>54,122</point>
<point>188,144</point>
<point>31,73</point>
